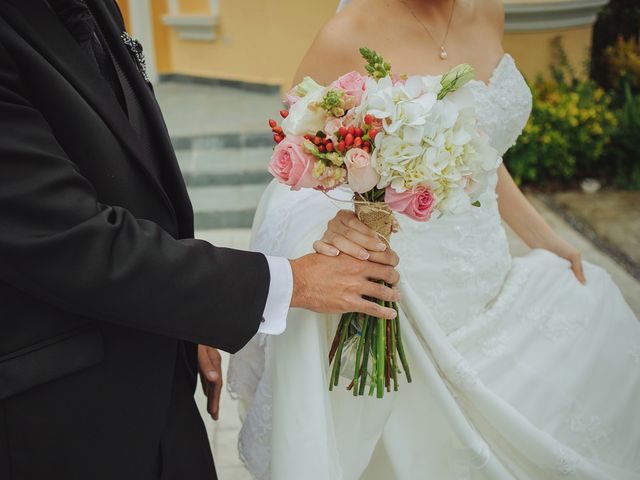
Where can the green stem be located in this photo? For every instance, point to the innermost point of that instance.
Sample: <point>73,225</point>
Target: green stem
<point>380,355</point>
<point>336,339</point>
<point>335,375</point>
<point>365,361</point>
<point>361,342</point>
<point>400,346</point>
<point>387,354</point>
<point>374,358</point>
<point>394,356</point>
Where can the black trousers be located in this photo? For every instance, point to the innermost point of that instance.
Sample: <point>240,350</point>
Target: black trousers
<point>5,465</point>
<point>185,453</point>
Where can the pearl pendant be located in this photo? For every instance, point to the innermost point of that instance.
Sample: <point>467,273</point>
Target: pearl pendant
<point>443,53</point>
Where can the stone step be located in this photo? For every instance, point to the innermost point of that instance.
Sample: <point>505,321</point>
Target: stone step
<point>225,206</point>
<point>224,140</point>
<point>225,166</point>
<point>225,176</point>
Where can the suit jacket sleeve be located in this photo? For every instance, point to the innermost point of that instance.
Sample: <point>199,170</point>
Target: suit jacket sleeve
<point>59,244</point>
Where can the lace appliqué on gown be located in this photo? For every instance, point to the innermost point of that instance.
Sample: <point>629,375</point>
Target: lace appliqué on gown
<point>634,353</point>
<point>554,325</point>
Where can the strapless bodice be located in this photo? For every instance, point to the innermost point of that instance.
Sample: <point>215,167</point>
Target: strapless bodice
<point>467,255</point>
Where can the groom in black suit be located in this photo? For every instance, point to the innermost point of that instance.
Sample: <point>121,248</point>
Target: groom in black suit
<point>104,294</point>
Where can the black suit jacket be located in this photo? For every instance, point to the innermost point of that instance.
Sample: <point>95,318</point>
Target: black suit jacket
<point>101,283</point>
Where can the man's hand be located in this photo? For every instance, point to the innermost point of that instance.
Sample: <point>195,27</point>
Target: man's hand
<point>346,234</point>
<point>338,284</point>
<point>210,364</point>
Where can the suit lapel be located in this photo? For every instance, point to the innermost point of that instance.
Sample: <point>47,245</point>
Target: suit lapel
<point>62,51</point>
<point>112,31</point>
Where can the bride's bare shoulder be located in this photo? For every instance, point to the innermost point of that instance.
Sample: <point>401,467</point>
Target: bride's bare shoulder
<point>494,11</point>
<point>334,51</point>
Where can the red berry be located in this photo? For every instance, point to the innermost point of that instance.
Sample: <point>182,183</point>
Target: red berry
<point>343,131</point>
<point>351,130</point>
<point>272,123</point>
<point>358,132</point>
<point>278,138</point>
<point>308,136</point>
<point>330,147</point>
<point>317,140</point>
<point>357,142</point>
<point>284,113</point>
<point>373,133</point>
<point>348,140</point>
<point>326,140</point>
<point>277,129</point>
<point>367,143</point>
<point>368,119</point>
<point>366,149</point>
<point>341,146</point>
<point>322,149</point>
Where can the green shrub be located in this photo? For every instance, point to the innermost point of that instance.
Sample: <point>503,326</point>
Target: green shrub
<point>620,18</point>
<point>569,130</point>
<point>623,156</point>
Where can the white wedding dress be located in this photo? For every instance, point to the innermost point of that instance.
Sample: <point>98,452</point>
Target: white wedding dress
<point>520,372</point>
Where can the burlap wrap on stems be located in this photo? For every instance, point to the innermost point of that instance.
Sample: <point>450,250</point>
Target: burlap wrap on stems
<point>375,215</point>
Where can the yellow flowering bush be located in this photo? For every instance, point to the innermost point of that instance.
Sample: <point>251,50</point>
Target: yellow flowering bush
<point>568,132</point>
<point>622,64</point>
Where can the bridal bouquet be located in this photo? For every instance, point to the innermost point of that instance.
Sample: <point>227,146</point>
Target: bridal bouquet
<point>409,145</point>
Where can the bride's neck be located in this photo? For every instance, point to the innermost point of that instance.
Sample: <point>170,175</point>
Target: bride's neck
<point>435,10</point>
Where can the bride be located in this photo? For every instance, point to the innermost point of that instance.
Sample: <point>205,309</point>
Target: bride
<point>523,368</point>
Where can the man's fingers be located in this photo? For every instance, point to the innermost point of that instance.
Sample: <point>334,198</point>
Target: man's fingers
<point>323,248</point>
<point>381,292</point>
<point>382,272</point>
<point>208,373</point>
<point>210,364</point>
<point>373,309</point>
<point>214,400</point>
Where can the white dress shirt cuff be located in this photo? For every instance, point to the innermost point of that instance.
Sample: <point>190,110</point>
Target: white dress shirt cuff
<point>274,318</point>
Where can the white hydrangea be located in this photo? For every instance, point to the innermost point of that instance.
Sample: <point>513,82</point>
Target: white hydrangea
<point>429,142</point>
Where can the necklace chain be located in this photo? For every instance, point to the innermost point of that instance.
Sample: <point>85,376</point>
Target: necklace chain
<point>443,51</point>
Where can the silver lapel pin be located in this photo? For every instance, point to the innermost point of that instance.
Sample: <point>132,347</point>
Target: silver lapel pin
<point>135,47</point>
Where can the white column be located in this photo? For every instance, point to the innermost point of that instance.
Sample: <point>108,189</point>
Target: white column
<point>142,29</point>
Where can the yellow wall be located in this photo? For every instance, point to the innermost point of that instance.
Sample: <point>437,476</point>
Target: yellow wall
<point>262,41</point>
<point>124,8</point>
<point>533,54</point>
<point>253,42</point>
<point>194,6</point>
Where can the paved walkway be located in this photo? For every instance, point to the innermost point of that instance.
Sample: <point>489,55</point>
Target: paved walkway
<point>223,145</point>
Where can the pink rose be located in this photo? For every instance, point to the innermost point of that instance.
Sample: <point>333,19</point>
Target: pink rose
<point>292,165</point>
<point>417,204</point>
<point>352,84</point>
<point>362,176</point>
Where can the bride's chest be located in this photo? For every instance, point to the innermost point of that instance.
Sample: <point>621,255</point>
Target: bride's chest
<point>503,105</point>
